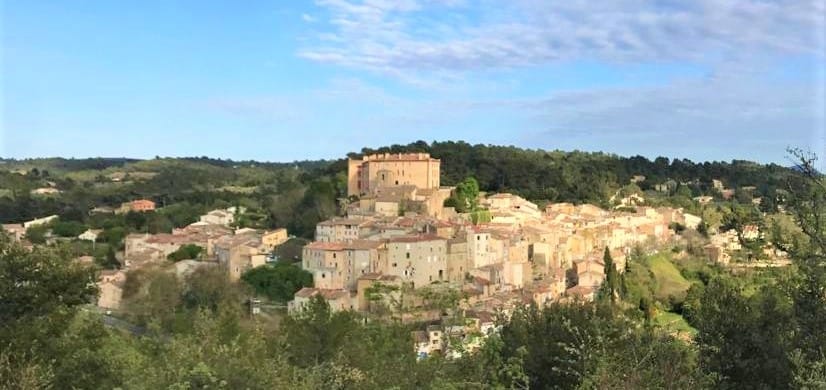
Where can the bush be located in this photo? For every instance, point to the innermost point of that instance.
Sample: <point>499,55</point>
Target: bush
<point>68,228</point>
<point>278,282</point>
<point>186,252</point>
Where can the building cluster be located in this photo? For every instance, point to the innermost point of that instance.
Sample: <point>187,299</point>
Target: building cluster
<point>524,254</point>
<point>234,250</point>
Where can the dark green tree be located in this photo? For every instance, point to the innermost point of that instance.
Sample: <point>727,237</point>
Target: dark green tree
<point>612,285</point>
<point>278,282</point>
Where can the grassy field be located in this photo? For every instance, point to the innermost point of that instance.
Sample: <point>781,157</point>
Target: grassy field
<point>669,280</point>
<point>674,323</point>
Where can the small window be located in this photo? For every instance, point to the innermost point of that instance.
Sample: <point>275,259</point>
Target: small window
<point>478,238</point>
<point>408,255</point>
<point>394,265</point>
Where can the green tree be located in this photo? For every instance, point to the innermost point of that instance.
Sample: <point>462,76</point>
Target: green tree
<point>186,252</point>
<point>807,204</point>
<point>316,334</point>
<point>278,282</point>
<point>210,288</point>
<point>40,282</point>
<point>467,195</point>
<point>743,341</point>
<point>611,286</point>
<point>37,234</point>
<point>68,228</point>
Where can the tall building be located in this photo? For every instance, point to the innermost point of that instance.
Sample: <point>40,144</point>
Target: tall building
<point>391,170</point>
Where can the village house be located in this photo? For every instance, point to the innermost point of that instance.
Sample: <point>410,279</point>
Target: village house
<point>274,238</point>
<point>418,259</point>
<point>339,300</point>
<point>240,253</point>
<point>322,260</point>
<point>39,221</point>
<point>391,170</point>
<point>511,209</point>
<point>703,200</point>
<point>717,254</point>
<point>339,230</point>
<point>139,206</point>
<point>110,284</point>
<point>218,217</point>
<point>90,235</point>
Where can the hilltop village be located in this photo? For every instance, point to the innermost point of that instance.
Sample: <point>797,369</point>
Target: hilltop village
<point>406,247</point>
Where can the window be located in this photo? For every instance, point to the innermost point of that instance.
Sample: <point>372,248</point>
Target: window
<point>408,255</point>
<point>478,238</point>
<point>440,274</point>
<point>394,265</point>
<point>397,182</point>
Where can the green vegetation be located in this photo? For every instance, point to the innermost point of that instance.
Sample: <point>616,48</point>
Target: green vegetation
<point>674,323</point>
<point>186,252</point>
<point>669,281</point>
<point>278,282</point>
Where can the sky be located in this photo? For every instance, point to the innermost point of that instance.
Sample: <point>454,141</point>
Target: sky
<point>294,80</point>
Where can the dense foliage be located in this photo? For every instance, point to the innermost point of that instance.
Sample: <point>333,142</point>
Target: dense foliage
<point>278,282</point>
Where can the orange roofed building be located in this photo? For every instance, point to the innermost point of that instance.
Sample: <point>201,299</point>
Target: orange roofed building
<point>140,205</point>
<point>374,171</point>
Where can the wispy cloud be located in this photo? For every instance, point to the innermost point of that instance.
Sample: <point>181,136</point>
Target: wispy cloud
<point>393,36</point>
<point>308,18</point>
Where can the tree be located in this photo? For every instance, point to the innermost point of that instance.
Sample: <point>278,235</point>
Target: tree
<point>111,259</point>
<point>702,228</point>
<point>611,286</point>
<point>807,204</point>
<point>68,228</point>
<point>136,221</point>
<point>186,252</point>
<point>209,288</point>
<point>743,341</point>
<point>467,195</point>
<point>40,282</point>
<point>37,234</point>
<point>278,282</point>
<point>316,334</point>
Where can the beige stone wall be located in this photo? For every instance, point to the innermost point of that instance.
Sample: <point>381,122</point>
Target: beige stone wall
<point>390,170</point>
<point>457,262</point>
<point>274,238</point>
<point>421,262</point>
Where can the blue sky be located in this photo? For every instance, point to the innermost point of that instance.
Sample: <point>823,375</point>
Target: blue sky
<point>281,81</point>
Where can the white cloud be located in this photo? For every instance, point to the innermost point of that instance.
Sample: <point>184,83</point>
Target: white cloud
<point>308,18</point>
<point>387,35</point>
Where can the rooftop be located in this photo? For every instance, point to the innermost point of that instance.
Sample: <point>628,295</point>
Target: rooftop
<point>416,238</point>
